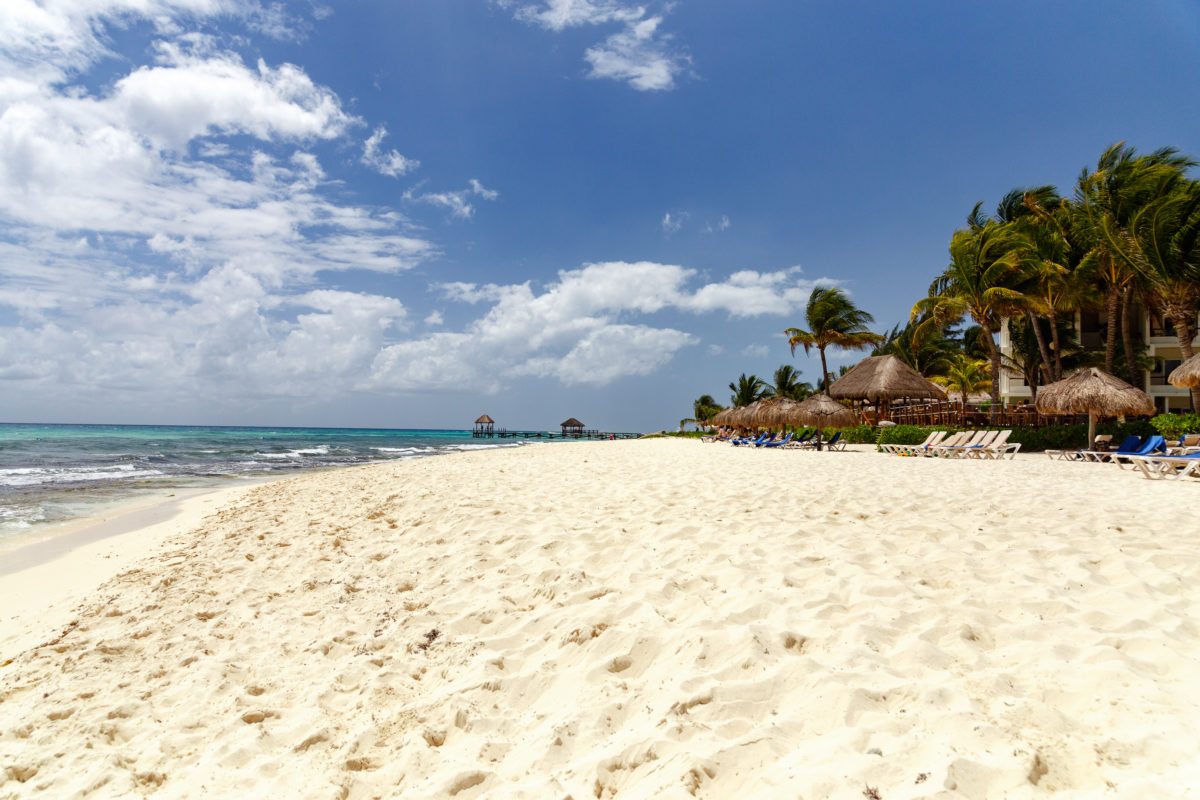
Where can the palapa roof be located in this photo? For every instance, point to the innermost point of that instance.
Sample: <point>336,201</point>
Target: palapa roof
<point>572,423</point>
<point>776,411</point>
<point>722,416</point>
<point>1093,391</point>
<point>1187,374</point>
<point>485,420</point>
<point>877,378</point>
<point>822,411</point>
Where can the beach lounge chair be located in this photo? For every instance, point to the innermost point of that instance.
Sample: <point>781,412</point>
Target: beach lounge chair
<point>1102,442</point>
<point>779,443</point>
<point>974,446</point>
<point>1153,444</point>
<point>1188,443</point>
<point>923,449</point>
<point>1158,467</point>
<point>952,440</point>
<point>948,448</point>
<point>1128,447</point>
<point>835,443</point>
<point>751,440</point>
<point>996,449</point>
<point>802,439</point>
<point>906,449</point>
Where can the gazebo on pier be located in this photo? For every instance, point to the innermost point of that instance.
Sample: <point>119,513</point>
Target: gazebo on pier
<point>572,427</point>
<point>485,426</point>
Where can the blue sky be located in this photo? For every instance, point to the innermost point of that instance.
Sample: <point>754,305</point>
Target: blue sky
<point>406,214</point>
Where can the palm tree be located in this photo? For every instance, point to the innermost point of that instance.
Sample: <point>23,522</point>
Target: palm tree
<point>832,319</point>
<point>747,390</point>
<point>929,353</point>
<point>704,408</point>
<point>1168,257</point>
<point>788,383</point>
<point>977,281</point>
<point>1107,200</point>
<point>965,375</point>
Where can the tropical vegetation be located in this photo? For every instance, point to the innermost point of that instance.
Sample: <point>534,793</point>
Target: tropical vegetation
<point>1125,238</point>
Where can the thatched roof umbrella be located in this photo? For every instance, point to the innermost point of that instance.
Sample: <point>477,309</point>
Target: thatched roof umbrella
<point>822,411</point>
<point>1187,374</point>
<point>883,378</point>
<point>776,411</point>
<point>747,416</point>
<point>722,416</point>
<point>1094,392</point>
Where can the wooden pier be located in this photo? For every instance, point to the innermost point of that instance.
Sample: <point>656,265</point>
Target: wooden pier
<point>485,428</point>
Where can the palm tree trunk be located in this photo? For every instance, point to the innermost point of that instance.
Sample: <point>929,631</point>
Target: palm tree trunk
<point>1047,377</point>
<point>824,372</point>
<point>1058,369</point>
<point>1131,365</point>
<point>1110,337</point>
<point>994,358</point>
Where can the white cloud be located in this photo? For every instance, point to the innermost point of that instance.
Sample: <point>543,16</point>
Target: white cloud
<point>556,15</point>
<point>578,330</point>
<point>457,203</point>
<point>434,319</point>
<point>671,223</point>
<point>755,351</point>
<point>390,163</point>
<point>638,54</point>
<point>748,293</point>
<point>722,224</point>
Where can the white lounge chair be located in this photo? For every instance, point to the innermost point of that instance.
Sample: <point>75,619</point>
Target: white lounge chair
<point>908,449</point>
<point>1173,467</point>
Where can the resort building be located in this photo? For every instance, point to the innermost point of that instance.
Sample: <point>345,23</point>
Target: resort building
<point>1160,343</point>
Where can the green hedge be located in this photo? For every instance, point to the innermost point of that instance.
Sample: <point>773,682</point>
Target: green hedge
<point>1173,426</point>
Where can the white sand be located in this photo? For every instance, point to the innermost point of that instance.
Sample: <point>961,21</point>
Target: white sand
<point>660,619</point>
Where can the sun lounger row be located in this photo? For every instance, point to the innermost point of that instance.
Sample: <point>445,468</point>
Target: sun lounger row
<point>807,438</point>
<point>1132,446</point>
<point>966,444</point>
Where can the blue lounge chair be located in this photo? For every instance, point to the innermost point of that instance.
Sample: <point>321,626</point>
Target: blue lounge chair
<point>779,443</point>
<point>749,440</point>
<point>1128,447</point>
<point>1153,444</point>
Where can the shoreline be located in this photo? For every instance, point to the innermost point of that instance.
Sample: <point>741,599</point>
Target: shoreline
<point>658,618</point>
<point>42,581</point>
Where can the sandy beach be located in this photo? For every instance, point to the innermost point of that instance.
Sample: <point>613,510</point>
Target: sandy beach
<point>642,619</point>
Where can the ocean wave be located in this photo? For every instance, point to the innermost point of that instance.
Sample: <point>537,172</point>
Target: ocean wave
<point>39,476</point>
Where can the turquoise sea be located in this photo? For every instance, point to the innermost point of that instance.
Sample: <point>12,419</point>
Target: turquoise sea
<point>55,473</point>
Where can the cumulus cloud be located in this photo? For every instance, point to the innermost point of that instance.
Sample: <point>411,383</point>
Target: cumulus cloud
<point>581,329</point>
<point>639,53</point>
<point>755,351</point>
<point>390,163</point>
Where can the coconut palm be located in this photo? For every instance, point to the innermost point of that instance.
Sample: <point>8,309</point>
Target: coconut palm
<point>747,389</point>
<point>977,282</point>
<point>788,384</point>
<point>832,319</point>
<point>704,408</point>
<point>1168,257</point>
<point>1107,200</point>
<point>929,353</point>
<point>965,375</point>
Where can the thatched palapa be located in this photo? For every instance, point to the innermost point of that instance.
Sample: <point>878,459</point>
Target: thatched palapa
<point>1187,374</point>
<point>1093,392</point>
<point>485,420</point>
<point>777,411</point>
<point>884,378</point>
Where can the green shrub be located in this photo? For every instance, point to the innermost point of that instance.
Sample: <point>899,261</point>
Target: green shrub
<point>1173,426</point>
<point>861,434</point>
